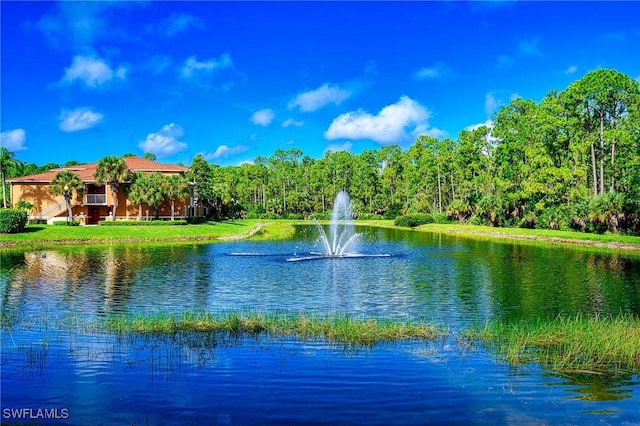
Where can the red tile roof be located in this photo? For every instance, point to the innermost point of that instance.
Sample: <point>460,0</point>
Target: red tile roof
<point>86,171</point>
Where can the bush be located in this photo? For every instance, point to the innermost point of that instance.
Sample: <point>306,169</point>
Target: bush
<point>529,220</point>
<point>12,220</point>
<point>65,223</point>
<point>142,222</point>
<point>440,218</point>
<point>196,220</point>
<point>414,219</point>
<point>368,216</point>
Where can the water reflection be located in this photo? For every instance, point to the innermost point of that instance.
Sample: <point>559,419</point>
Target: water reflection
<point>443,279</point>
<point>598,387</point>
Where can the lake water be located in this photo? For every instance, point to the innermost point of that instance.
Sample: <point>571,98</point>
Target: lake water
<point>89,376</point>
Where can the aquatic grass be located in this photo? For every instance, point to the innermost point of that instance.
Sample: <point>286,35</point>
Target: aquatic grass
<point>333,327</point>
<point>579,343</point>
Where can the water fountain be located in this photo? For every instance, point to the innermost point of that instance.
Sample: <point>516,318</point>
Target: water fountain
<point>342,231</point>
<point>342,239</point>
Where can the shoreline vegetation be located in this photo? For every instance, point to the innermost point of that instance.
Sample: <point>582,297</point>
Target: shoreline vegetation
<point>43,236</point>
<point>335,328</point>
<point>578,344</point>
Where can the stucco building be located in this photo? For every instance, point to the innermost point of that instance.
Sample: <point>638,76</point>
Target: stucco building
<point>97,202</point>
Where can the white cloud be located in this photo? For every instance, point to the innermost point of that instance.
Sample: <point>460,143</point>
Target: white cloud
<point>390,125</point>
<point>79,119</point>
<point>80,26</point>
<point>439,71</point>
<point>491,103</point>
<point>434,131</point>
<point>13,140</point>
<point>92,71</point>
<point>75,24</point>
<point>337,147</point>
<point>291,122</point>
<point>193,67</point>
<point>638,79</point>
<point>571,70</point>
<point>488,123</point>
<point>165,142</point>
<point>264,117</point>
<point>224,151</point>
<point>179,22</point>
<point>316,99</point>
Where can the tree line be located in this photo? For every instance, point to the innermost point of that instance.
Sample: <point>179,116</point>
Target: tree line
<point>570,161</point>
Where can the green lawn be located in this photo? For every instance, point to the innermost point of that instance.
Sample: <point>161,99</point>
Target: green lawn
<point>40,235</point>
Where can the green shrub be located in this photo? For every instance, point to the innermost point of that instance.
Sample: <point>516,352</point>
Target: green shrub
<point>65,223</point>
<point>554,217</point>
<point>270,216</point>
<point>142,222</point>
<point>12,221</point>
<point>478,220</point>
<point>369,216</point>
<point>529,220</point>
<point>440,218</point>
<point>414,219</point>
<point>326,215</point>
<point>196,220</point>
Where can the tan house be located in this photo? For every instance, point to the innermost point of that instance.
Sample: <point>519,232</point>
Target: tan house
<point>97,202</point>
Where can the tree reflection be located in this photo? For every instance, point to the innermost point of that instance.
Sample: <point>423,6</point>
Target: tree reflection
<point>592,386</point>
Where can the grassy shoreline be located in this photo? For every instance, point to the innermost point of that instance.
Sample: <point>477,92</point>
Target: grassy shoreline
<point>42,236</point>
<point>338,328</point>
<point>574,344</point>
<point>584,344</point>
<point>571,344</point>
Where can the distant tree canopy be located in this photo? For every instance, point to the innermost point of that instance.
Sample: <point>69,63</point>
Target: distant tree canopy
<point>569,161</point>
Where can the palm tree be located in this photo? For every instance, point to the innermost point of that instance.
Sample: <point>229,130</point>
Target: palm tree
<point>6,162</point>
<point>137,192</point>
<point>65,183</point>
<point>112,171</point>
<point>155,192</point>
<point>176,186</point>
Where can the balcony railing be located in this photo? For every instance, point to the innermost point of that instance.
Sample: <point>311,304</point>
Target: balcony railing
<point>95,199</point>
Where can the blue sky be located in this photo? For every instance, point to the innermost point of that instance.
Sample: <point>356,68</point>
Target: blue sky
<point>237,80</point>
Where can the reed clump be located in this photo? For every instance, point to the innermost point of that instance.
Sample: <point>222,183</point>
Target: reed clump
<point>579,343</point>
<point>333,327</point>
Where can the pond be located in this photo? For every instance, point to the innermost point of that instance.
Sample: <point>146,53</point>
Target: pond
<point>54,370</point>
